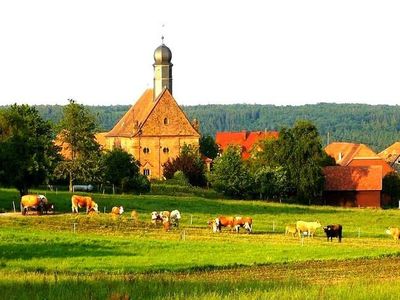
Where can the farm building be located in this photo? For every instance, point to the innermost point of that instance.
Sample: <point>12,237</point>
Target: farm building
<point>353,186</point>
<point>351,154</point>
<point>392,155</point>
<point>244,139</point>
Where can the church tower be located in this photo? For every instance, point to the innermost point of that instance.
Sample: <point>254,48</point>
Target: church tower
<point>162,70</point>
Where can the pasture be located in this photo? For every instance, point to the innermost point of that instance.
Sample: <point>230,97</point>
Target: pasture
<point>64,256</point>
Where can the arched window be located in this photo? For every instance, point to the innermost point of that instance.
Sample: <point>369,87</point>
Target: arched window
<point>166,121</point>
<point>146,150</point>
<point>165,150</point>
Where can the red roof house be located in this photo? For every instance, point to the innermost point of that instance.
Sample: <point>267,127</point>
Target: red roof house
<point>244,139</point>
<point>358,186</point>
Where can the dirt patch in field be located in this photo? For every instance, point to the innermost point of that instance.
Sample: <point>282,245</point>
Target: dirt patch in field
<point>319,272</point>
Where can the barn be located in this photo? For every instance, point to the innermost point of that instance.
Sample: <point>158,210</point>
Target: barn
<point>353,186</point>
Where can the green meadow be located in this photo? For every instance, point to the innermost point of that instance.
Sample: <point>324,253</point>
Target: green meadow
<point>66,256</point>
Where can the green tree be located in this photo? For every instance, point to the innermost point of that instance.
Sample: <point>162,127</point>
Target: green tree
<point>391,187</point>
<point>208,147</point>
<point>190,163</point>
<point>230,174</point>
<point>271,182</point>
<point>27,153</point>
<point>122,170</point>
<point>77,130</point>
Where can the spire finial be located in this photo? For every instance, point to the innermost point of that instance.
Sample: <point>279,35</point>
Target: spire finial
<point>162,33</point>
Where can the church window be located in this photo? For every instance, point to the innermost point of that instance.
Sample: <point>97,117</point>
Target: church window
<point>146,150</point>
<point>165,150</point>
<point>166,121</point>
<point>146,172</point>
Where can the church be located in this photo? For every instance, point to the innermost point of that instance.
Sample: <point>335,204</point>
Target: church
<point>155,128</point>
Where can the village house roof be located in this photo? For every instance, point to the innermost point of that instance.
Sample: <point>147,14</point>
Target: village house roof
<point>352,154</point>
<point>350,178</point>
<point>391,154</point>
<point>244,139</point>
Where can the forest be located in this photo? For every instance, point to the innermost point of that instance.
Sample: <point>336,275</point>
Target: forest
<point>378,126</point>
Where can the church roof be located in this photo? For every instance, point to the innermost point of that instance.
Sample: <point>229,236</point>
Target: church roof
<point>130,123</point>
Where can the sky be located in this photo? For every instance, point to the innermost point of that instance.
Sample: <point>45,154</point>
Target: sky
<point>286,52</point>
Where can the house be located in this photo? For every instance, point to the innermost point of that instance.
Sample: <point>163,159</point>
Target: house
<point>244,139</point>
<point>392,155</point>
<point>352,154</point>
<point>353,186</point>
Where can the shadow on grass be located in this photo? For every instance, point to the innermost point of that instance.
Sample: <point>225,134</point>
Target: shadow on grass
<point>26,251</point>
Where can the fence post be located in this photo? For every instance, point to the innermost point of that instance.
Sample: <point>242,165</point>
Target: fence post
<point>14,206</point>
<point>359,231</point>
<point>191,219</point>
<point>104,209</point>
<point>273,226</point>
<point>75,227</point>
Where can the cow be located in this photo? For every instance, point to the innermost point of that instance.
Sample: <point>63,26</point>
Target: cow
<point>156,217</point>
<point>223,221</point>
<point>48,207</point>
<point>36,202</point>
<point>291,229</point>
<point>175,216</point>
<point>394,232</point>
<point>307,227</point>
<point>116,211</point>
<point>83,201</point>
<point>332,231</point>
<point>245,222</point>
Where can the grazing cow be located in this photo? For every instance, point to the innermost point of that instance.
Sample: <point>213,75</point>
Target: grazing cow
<point>156,217</point>
<point>116,211</point>
<point>36,202</point>
<point>394,232</point>
<point>175,216</point>
<point>92,212</point>
<point>48,207</point>
<point>309,227</point>
<point>245,222</point>
<point>83,201</point>
<point>291,229</point>
<point>333,231</point>
<point>223,221</point>
<point>134,216</point>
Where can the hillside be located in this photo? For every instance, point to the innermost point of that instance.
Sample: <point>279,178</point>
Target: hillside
<point>375,125</point>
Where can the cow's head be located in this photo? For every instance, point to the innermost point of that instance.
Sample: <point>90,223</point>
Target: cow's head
<point>216,225</point>
<point>121,210</point>
<point>96,207</point>
<point>154,215</point>
<point>42,198</point>
<point>389,230</point>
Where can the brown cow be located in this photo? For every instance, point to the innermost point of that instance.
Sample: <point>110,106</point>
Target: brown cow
<point>116,211</point>
<point>135,216</point>
<point>394,232</point>
<point>245,222</point>
<point>36,202</point>
<point>83,201</point>
<point>223,221</point>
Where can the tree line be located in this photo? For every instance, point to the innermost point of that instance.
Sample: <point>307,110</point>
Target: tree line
<point>378,126</point>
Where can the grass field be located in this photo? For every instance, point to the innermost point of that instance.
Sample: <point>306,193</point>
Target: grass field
<point>43,257</point>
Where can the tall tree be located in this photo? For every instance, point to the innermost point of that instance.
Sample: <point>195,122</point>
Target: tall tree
<point>208,147</point>
<point>122,170</point>
<point>77,134</point>
<point>27,153</point>
<point>190,163</point>
<point>231,175</point>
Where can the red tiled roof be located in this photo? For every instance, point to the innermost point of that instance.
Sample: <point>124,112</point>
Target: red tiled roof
<point>130,123</point>
<point>245,139</point>
<point>346,178</point>
<point>391,153</point>
<point>344,153</point>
